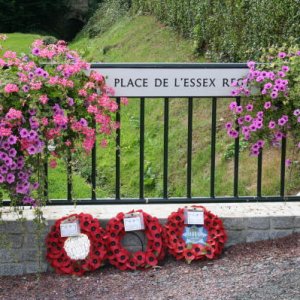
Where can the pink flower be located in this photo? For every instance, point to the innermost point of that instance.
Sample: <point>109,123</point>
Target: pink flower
<point>44,99</point>
<point>272,125</point>
<point>268,86</point>
<point>233,133</point>
<point>228,125</point>
<point>296,112</point>
<point>124,100</point>
<point>14,114</point>
<point>96,76</point>
<point>281,54</point>
<point>248,118</point>
<point>235,93</point>
<point>104,143</point>
<point>274,95</point>
<point>53,163</point>
<point>232,105</point>
<point>240,120</point>
<point>11,88</point>
<point>10,54</point>
<point>82,92</point>
<point>249,107</point>
<point>45,121</point>
<point>288,162</point>
<point>267,105</point>
<point>60,120</point>
<point>251,64</point>
<point>68,143</point>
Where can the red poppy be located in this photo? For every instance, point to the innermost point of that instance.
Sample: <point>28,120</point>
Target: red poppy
<point>189,254</point>
<point>113,243</point>
<point>122,256</point>
<point>68,269</point>
<point>131,265</point>
<point>210,253</point>
<point>139,257</point>
<point>95,262</point>
<point>151,259</point>
<point>121,266</point>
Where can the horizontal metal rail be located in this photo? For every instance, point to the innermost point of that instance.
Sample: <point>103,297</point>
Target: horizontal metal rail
<point>171,200</point>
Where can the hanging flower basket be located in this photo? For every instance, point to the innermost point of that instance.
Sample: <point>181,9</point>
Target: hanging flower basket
<point>76,254</point>
<point>209,239</point>
<point>123,259</point>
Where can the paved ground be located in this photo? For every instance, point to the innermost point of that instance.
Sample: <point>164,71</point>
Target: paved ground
<point>262,270</point>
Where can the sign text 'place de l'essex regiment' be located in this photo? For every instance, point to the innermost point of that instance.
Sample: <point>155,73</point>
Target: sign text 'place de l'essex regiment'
<point>173,81</point>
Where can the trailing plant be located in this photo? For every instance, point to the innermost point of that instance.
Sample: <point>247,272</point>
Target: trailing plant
<point>270,108</point>
<point>47,101</point>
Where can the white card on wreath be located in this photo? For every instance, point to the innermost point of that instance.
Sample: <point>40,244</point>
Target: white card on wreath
<point>194,217</point>
<point>134,222</point>
<point>69,229</point>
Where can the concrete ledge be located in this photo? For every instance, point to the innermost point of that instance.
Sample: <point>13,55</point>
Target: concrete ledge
<point>244,222</point>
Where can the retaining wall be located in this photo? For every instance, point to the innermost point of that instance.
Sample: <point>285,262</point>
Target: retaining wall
<point>243,223</point>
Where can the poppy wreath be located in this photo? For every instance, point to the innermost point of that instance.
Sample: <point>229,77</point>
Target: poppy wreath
<point>62,252</point>
<point>177,247</point>
<point>123,259</point>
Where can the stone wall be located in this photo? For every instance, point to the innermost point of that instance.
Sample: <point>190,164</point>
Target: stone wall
<point>21,256</point>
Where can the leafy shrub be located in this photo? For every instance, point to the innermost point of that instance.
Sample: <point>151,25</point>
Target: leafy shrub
<point>228,30</point>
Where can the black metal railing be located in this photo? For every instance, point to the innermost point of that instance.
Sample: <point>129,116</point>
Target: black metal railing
<point>189,198</point>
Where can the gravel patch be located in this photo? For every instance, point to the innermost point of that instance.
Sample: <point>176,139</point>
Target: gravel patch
<point>261,270</point>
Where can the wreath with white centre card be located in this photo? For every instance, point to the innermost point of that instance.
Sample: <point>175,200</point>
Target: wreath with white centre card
<point>76,244</point>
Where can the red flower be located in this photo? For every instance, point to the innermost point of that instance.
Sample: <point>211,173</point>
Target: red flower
<point>189,254</point>
<point>151,259</point>
<point>95,262</point>
<point>139,257</point>
<point>122,266</point>
<point>210,253</point>
<point>65,269</point>
<point>122,256</point>
<point>131,265</point>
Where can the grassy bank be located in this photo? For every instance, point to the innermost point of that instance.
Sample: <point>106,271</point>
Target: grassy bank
<point>142,39</point>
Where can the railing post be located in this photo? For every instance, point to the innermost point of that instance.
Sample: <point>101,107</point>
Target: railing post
<point>142,138</point>
<point>213,146</point>
<point>166,147</point>
<point>189,148</point>
<point>282,167</point>
<point>94,167</point>
<point>236,158</point>
<point>118,150</point>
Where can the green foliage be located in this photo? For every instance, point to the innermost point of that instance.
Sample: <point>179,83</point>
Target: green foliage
<point>229,153</point>
<point>228,30</point>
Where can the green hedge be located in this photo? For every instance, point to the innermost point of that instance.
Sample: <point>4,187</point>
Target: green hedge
<point>229,30</point>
